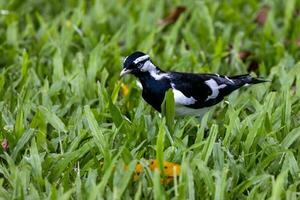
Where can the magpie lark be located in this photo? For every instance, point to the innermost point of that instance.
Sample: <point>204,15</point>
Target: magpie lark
<point>193,93</point>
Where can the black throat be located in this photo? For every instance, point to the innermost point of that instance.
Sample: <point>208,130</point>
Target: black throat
<point>154,89</point>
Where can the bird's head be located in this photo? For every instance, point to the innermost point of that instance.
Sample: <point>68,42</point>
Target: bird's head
<point>137,64</point>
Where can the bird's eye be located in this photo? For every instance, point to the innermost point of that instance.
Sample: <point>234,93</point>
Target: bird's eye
<point>139,65</point>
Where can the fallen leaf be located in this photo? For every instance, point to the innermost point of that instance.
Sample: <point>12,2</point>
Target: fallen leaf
<point>294,87</point>
<point>253,66</point>
<point>4,144</point>
<point>243,55</point>
<point>262,14</point>
<point>298,42</point>
<point>291,42</point>
<point>297,12</point>
<point>121,43</point>
<point>173,16</point>
<point>246,56</point>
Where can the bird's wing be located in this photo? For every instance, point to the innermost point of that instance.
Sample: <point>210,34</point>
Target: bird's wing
<point>200,90</point>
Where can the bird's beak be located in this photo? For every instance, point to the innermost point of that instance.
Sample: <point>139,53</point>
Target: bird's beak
<point>124,72</point>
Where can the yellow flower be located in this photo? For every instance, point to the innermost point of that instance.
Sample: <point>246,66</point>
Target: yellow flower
<point>124,89</point>
<point>171,170</point>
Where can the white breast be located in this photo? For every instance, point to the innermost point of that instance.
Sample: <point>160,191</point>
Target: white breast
<point>185,111</point>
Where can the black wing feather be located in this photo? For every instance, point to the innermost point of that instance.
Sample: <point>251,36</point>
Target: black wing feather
<point>194,85</point>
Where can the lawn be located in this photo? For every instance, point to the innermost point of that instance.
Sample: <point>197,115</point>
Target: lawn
<point>70,128</point>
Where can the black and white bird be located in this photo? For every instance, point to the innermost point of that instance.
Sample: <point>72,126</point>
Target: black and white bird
<point>193,93</point>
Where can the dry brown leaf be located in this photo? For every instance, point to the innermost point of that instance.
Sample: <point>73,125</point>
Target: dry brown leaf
<point>297,12</point>
<point>173,16</point>
<point>298,42</point>
<point>253,66</point>
<point>243,55</point>
<point>4,144</point>
<point>262,14</point>
<point>246,56</point>
<point>291,42</point>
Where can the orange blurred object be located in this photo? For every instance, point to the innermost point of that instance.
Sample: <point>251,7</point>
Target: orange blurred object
<point>171,170</point>
<point>124,89</point>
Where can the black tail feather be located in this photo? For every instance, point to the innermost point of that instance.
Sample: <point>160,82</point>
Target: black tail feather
<point>244,79</point>
<point>258,80</point>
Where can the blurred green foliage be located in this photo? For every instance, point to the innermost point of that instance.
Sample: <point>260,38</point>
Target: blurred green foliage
<point>71,128</point>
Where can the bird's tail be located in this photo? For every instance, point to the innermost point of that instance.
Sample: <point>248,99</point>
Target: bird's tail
<point>246,79</point>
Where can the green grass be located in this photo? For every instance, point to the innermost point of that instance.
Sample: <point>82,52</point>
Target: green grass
<point>71,131</point>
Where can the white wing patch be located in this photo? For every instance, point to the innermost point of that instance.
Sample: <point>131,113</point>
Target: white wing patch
<point>229,79</point>
<point>214,88</point>
<point>180,98</point>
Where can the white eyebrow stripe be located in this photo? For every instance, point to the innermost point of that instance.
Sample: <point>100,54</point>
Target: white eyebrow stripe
<point>139,59</point>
